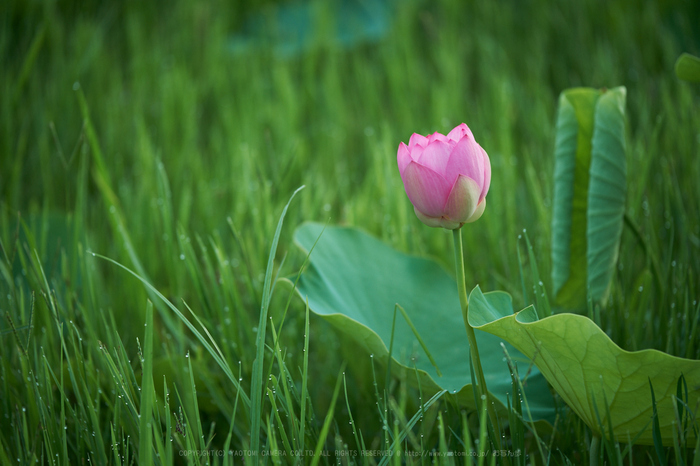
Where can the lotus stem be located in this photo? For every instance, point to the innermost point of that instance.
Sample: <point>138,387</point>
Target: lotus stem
<point>482,390</point>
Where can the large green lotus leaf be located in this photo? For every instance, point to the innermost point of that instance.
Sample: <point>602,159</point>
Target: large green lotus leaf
<point>588,369</point>
<point>589,193</point>
<point>688,68</point>
<point>354,281</point>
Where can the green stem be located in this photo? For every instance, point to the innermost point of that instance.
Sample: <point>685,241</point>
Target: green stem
<point>482,391</point>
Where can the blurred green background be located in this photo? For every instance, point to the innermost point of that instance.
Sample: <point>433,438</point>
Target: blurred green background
<point>244,102</point>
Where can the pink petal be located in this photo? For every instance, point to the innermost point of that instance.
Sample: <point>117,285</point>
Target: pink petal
<point>403,157</point>
<point>466,159</point>
<point>426,189</point>
<point>487,175</point>
<point>459,132</point>
<point>462,200</point>
<point>435,156</point>
<point>437,137</point>
<point>417,139</point>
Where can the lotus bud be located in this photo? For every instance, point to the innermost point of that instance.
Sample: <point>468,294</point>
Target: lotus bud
<point>445,177</point>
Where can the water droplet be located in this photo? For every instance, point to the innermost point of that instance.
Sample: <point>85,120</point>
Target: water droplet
<point>182,257</point>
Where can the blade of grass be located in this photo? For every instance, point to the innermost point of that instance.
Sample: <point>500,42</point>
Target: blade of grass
<point>414,420</point>
<point>257,376</point>
<point>228,459</point>
<point>543,308</point>
<point>285,386</point>
<point>352,421</point>
<point>656,430</point>
<point>329,418</point>
<point>420,340</point>
<point>146,405</point>
<point>304,381</point>
<point>215,354</point>
<point>276,412</point>
<point>391,350</point>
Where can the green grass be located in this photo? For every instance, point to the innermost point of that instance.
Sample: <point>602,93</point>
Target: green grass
<point>134,132</point>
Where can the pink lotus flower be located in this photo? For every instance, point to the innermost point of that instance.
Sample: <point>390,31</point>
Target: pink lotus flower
<point>445,177</point>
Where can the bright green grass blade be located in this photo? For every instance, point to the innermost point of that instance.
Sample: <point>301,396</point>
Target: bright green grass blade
<point>285,388</point>
<point>228,459</point>
<point>414,420</point>
<point>328,420</point>
<point>483,435</point>
<point>147,393</point>
<point>212,350</point>
<point>115,450</point>
<point>304,381</point>
<point>280,425</point>
<point>538,288</point>
<point>352,421</point>
<point>420,340</point>
<point>112,204</point>
<point>656,430</point>
<point>257,376</point>
<point>198,431</point>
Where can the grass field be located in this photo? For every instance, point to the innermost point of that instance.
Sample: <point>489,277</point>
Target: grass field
<point>146,133</point>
